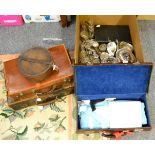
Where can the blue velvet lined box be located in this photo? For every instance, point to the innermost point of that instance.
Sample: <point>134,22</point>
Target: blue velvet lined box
<point>121,81</point>
<point>118,81</point>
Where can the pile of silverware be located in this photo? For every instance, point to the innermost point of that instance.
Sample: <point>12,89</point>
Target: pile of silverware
<point>93,52</point>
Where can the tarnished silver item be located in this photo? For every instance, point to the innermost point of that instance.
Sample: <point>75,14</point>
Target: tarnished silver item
<point>125,56</point>
<point>84,34</point>
<point>110,59</point>
<point>111,48</point>
<point>103,47</point>
<point>87,30</point>
<point>96,61</point>
<point>90,26</point>
<point>93,52</point>
<point>95,44</point>
<point>104,55</point>
<point>126,45</point>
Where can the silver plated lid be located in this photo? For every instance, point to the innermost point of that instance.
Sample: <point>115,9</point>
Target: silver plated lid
<point>125,56</point>
<point>126,45</point>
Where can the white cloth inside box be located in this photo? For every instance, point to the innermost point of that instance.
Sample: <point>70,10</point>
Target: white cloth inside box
<point>112,114</point>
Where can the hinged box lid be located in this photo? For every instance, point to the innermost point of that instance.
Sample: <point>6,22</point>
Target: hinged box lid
<point>97,82</point>
<point>105,33</point>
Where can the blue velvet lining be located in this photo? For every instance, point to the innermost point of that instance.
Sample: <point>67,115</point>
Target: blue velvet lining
<point>128,82</point>
<point>125,81</point>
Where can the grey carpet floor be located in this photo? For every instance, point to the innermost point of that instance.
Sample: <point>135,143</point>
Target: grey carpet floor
<point>147,35</point>
<point>18,39</point>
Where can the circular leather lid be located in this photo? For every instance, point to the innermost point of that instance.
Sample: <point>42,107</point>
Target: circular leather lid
<point>35,61</point>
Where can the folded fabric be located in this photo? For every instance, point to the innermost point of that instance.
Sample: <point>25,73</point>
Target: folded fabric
<point>94,119</point>
<point>144,119</point>
<point>125,114</point>
<point>106,116</point>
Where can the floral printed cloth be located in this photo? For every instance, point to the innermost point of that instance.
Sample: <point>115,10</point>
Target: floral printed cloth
<point>54,121</point>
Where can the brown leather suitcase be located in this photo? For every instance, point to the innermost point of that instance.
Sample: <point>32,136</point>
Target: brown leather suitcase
<point>23,93</point>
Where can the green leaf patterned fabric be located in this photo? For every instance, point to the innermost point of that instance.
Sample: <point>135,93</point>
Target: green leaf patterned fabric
<point>56,121</point>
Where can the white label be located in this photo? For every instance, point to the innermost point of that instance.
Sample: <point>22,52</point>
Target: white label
<point>110,99</point>
<point>125,61</point>
<point>38,99</point>
<point>10,21</point>
<point>40,107</point>
<point>98,25</point>
<point>53,39</point>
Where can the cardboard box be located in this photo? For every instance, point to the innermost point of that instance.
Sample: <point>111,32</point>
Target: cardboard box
<point>41,18</point>
<point>120,81</point>
<point>111,20</point>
